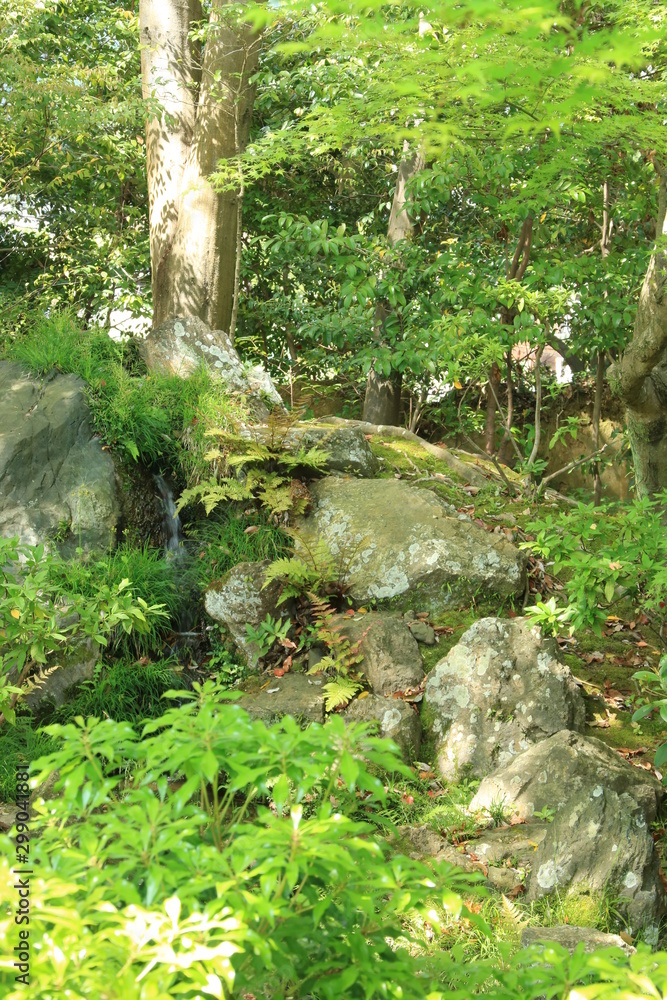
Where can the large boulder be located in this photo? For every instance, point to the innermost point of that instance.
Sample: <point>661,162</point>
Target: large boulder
<point>599,836</point>
<point>391,658</point>
<point>347,447</point>
<point>395,720</point>
<point>55,479</point>
<point>240,599</point>
<point>180,346</point>
<point>499,690</point>
<point>402,544</point>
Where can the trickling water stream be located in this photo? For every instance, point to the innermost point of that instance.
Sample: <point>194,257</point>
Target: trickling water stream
<point>173,532</point>
<point>176,551</point>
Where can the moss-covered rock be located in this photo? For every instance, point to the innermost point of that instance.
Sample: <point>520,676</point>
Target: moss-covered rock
<point>348,449</point>
<point>56,482</point>
<point>400,544</point>
<point>391,658</point>
<point>294,694</point>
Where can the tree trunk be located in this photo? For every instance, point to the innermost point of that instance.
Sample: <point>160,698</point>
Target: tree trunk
<point>193,226</point>
<point>170,76</point>
<point>382,402</point>
<point>383,393</point>
<point>492,391</point>
<point>640,376</point>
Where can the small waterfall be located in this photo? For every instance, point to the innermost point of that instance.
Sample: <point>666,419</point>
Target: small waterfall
<point>173,545</point>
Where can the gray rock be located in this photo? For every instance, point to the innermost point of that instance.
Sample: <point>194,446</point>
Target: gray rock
<point>294,694</point>
<point>72,668</point>
<point>424,843</point>
<point>348,449</point>
<point>239,600</point>
<point>422,632</point>
<point>391,658</point>
<point>499,690</point>
<point>179,346</point>
<point>569,937</point>
<point>396,721</point>
<point>54,477</point>
<point>8,815</point>
<point>599,836</point>
<point>397,542</point>
<point>516,844</point>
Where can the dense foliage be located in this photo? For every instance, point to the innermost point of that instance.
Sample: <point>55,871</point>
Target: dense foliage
<point>185,849</point>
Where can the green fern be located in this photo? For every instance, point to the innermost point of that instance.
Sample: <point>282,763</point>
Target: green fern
<point>340,692</point>
<point>211,493</point>
<point>295,575</point>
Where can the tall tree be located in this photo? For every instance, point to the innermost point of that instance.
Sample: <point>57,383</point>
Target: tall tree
<point>641,373</point>
<point>382,400</point>
<point>201,115</point>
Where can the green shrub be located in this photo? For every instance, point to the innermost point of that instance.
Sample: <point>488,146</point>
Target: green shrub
<point>227,881</point>
<point>143,416</point>
<point>125,691</point>
<point>38,618</point>
<point>19,744</point>
<point>154,579</point>
<point>603,552</point>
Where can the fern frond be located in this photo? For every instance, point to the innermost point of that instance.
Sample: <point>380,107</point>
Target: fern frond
<point>211,493</point>
<point>513,915</point>
<point>340,692</point>
<point>39,679</point>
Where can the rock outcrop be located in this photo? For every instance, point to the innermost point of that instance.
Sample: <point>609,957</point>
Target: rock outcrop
<point>239,600</point>
<point>55,479</point>
<point>396,720</point>
<point>570,937</point>
<point>180,346</point>
<point>499,690</point>
<point>601,811</point>
<point>294,694</point>
<point>402,544</point>
<point>347,447</point>
<point>391,658</point>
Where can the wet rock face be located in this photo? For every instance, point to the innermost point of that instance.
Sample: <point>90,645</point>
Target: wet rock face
<point>55,479</point>
<point>239,600</point>
<point>599,835</point>
<point>396,720</point>
<point>179,346</point>
<point>348,449</point>
<point>402,544</point>
<point>499,690</point>
<point>391,658</point>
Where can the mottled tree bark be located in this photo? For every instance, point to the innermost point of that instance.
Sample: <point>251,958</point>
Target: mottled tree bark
<point>640,376</point>
<point>383,392</point>
<point>206,119</point>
